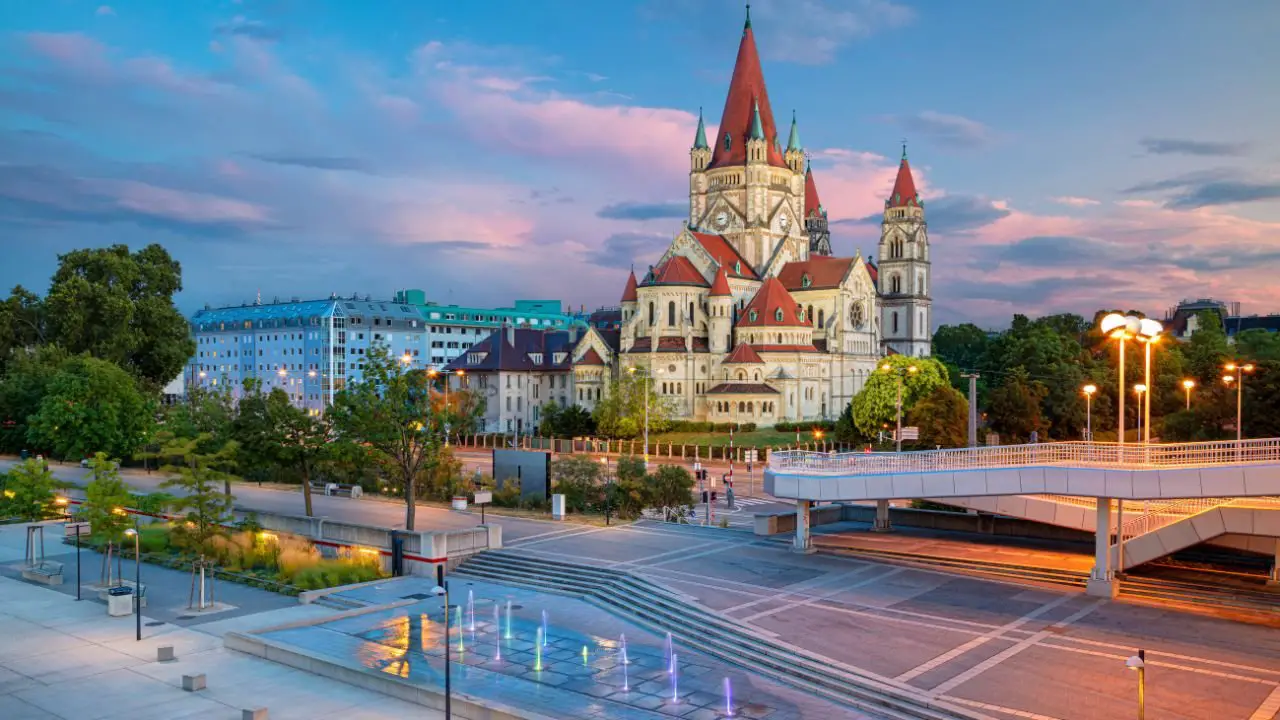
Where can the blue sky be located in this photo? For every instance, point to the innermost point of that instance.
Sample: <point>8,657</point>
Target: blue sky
<point>1072,155</point>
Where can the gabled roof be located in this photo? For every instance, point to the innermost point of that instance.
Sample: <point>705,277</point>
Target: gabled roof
<point>772,306</point>
<point>720,286</point>
<point>496,353</point>
<point>904,187</point>
<point>746,89</point>
<point>744,354</point>
<point>874,272</point>
<point>742,389</point>
<point>812,204</point>
<point>591,357</point>
<point>675,270</point>
<point>629,292</point>
<point>821,271</point>
<point>725,254</point>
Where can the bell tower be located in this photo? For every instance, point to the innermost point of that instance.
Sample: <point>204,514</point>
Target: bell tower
<point>906,312</point>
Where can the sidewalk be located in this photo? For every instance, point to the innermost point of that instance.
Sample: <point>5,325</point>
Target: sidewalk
<point>65,659</point>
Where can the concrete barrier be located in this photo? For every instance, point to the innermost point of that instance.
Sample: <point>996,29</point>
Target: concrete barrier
<point>778,523</point>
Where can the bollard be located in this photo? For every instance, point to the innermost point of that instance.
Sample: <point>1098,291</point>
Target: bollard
<point>192,683</point>
<point>164,653</point>
<point>254,714</point>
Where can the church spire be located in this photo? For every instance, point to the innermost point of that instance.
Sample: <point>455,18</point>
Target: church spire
<point>904,186</point>
<point>700,140</point>
<point>757,130</point>
<point>746,93</point>
<point>793,143</point>
<point>747,27</point>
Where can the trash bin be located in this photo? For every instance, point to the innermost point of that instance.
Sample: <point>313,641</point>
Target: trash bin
<point>120,601</point>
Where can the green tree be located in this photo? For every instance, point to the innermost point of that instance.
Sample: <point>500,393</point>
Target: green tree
<point>391,410</point>
<point>271,432</point>
<point>91,406</point>
<point>118,306</point>
<point>28,492</point>
<point>961,347</point>
<point>205,507</point>
<point>943,418</point>
<point>1015,407</point>
<point>106,497</point>
<point>22,388</point>
<point>873,408</point>
<point>21,324</point>
<point>672,486</point>
<point>1207,349</point>
<point>565,422</point>
<point>577,477</point>
<point>1257,344</point>
<point>621,413</point>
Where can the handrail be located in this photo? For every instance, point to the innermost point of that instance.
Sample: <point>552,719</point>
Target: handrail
<point>1070,454</point>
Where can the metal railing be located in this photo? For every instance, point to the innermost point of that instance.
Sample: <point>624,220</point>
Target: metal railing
<point>1067,454</point>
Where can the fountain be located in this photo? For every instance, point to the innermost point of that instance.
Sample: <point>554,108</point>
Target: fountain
<point>497,635</point>
<point>626,683</point>
<point>543,642</point>
<point>669,652</point>
<point>675,679</point>
<point>471,610</point>
<point>458,622</point>
<point>508,620</point>
<point>623,640</point>
<point>584,656</point>
<point>728,698</point>
<point>537,650</point>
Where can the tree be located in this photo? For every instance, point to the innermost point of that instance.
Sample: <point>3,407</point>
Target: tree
<point>577,477</point>
<point>1207,349</point>
<point>390,410</point>
<point>621,413</point>
<point>963,346</point>
<point>91,406</point>
<point>565,422</point>
<point>270,431</point>
<point>873,408</point>
<point>204,506</point>
<point>106,497</point>
<point>28,492</point>
<point>118,307</point>
<point>21,324</point>
<point>1015,407</point>
<point>1257,344</point>
<point>22,388</point>
<point>672,486</point>
<point>943,418</point>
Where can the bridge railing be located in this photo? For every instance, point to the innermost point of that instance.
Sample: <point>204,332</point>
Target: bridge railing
<point>1072,454</point>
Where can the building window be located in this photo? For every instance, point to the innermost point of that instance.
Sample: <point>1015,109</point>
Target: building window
<point>895,284</point>
<point>895,321</point>
<point>651,319</point>
<point>671,313</point>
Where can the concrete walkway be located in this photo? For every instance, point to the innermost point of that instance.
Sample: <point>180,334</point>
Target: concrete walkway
<point>65,659</point>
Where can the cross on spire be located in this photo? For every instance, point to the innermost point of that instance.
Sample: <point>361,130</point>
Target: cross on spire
<point>904,148</point>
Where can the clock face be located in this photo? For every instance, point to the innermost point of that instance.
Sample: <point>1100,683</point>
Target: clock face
<point>785,222</point>
<point>856,316</point>
<point>722,219</point>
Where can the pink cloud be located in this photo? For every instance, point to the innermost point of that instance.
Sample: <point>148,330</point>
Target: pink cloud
<point>104,10</point>
<point>182,206</point>
<point>72,51</point>
<point>1075,201</point>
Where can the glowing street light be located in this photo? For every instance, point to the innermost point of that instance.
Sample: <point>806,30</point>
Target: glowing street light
<point>1235,374</point>
<point>899,374</point>
<point>1141,391</point>
<point>1088,391</point>
<point>1187,385</point>
<point>1120,328</point>
<point>1148,334</point>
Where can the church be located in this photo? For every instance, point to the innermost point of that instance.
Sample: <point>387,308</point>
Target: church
<point>749,315</point>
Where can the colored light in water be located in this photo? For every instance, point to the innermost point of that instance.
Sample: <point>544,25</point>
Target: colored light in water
<point>508,619</point>
<point>675,679</point>
<point>728,698</point>
<point>537,652</point>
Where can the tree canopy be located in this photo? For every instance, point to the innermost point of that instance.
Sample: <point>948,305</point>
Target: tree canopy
<point>621,412</point>
<point>873,408</point>
<point>91,406</point>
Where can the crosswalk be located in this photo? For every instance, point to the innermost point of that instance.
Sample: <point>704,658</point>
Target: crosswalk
<point>748,501</point>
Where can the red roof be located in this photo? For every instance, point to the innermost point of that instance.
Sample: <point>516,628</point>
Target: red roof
<point>823,272</point>
<point>904,187</point>
<point>771,301</point>
<point>785,348</point>
<point>629,293</point>
<point>675,270</point>
<point>874,272</point>
<point>591,358</point>
<point>746,88</point>
<point>725,254</point>
<point>720,287</point>
<point>812,205</point>
<point>744,354</point>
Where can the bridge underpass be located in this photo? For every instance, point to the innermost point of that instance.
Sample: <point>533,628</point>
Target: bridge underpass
<point>1141,502</point>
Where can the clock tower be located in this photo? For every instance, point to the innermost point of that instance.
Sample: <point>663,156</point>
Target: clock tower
<point>906,308</point>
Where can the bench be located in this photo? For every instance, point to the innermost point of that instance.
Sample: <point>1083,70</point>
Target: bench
<point>48,572</point>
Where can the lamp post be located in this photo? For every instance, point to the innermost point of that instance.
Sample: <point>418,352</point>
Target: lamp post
<point>1121,328</point>
<point>438,591</point>
<point>1148,334</point>
<point>1187,385</point>
<point>1088,391</point>
<point>137,579</point>
<point>64,503</point>
<point>1141,391</point>
<point>899,374</point>
<point>632,370</point>
<point>817,437</point>
<point>461,374</point>
<point>1235,374</point>
<point>1139,663</point>
<point>608,496</point>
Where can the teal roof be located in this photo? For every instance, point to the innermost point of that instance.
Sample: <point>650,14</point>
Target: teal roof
<point>274,311</point>
<point>700,141</point>
<point>794,142</point>
<point>757,128</point>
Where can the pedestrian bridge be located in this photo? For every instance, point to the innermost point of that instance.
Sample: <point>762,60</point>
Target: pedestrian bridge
<point>1174,495</point>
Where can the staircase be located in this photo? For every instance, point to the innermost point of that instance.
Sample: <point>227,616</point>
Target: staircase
<point>662,610</point>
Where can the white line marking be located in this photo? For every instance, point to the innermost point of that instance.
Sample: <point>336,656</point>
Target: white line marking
<point>524,545</point>
<point>816,598</point>
<point>1267,710</point>
<point>1161,653</point>
<point>646,561</point>
<point>997,708</point>
<point>981,640</point>
<point>1007,653</point>
<point>1173,666</point>
<point>558,531</point>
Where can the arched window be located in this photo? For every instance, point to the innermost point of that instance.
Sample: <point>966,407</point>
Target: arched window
<point>895,284</point>
<point>671,313</point>
<point>742,407</point>
<point>757,376</point>
<point>779,338</point>
<point>690,311</point>
<point>777,315</point>
<point>652,320</point>
<point>895,248</point>
<point>750,407</point>
<point>895,321</point>
<point>742,374</point>
<point>822,318</point>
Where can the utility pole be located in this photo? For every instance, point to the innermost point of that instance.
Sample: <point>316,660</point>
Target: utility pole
<point>973,407</point>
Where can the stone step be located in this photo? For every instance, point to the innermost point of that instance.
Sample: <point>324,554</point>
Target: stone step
<point>664,611</point>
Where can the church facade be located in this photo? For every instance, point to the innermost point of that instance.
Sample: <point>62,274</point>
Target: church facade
<point>749,315</point>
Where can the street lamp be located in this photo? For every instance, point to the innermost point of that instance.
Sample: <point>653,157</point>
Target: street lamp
<point>64,503</point>
<point>1148,334</point>
<point>1235,375</point>
<point>632,371</point>
<point>899,374</point>
<point>1187,385</point>
<point>1139,663</point>
<point>1121,328</point>
<point>1088,390</point>
<point>137,578</point>
<point>608,485</point>
<point>438,591</point>
<point>1141,391</point>
<point>817,436</point>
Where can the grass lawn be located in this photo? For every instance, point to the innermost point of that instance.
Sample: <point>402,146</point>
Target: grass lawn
<point>756,438</point>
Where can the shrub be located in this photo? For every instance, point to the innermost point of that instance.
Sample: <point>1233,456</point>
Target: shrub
<point>154,538</point>
<point>153,503</point>
<point>577,477</point>
<point>508,495</point>
<point>672,486</point>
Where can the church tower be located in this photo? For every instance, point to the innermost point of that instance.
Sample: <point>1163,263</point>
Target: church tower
<point>906,313</point>
<point>815,217</point>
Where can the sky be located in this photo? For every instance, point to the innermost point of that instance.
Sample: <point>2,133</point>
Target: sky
<point>1072,156</point>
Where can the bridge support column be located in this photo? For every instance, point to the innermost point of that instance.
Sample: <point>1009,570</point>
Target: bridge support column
<point>1274,578</point>
<point>804,541</point>
<point>1102,582</point>
<point>882,517</point>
